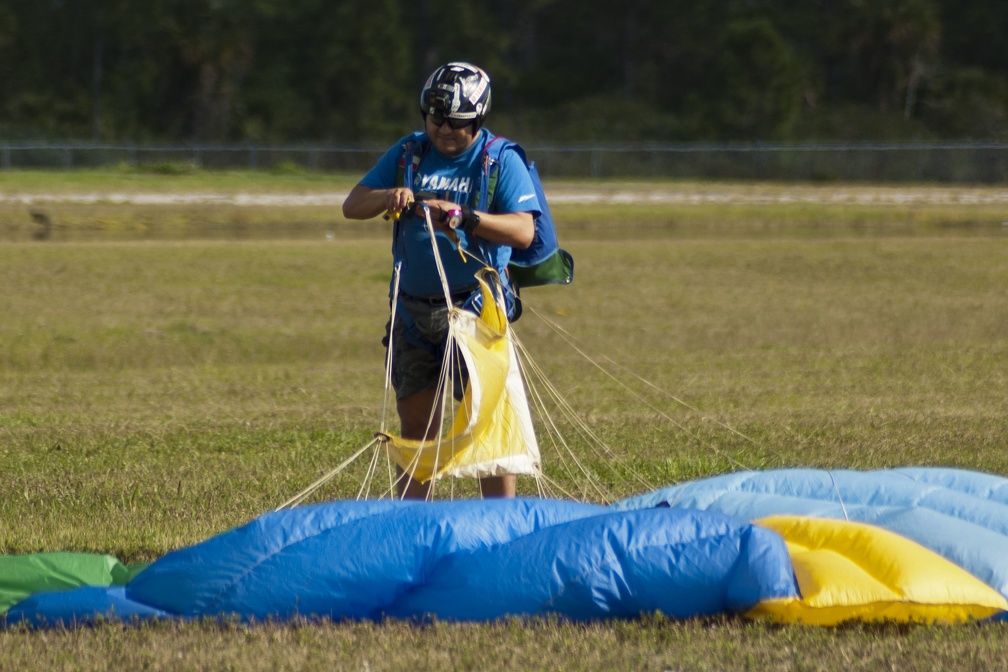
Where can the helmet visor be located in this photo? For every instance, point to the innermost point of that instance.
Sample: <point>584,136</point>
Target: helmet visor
<point>439,119</point>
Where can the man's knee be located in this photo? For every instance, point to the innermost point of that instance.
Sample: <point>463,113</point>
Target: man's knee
<point>499,486</point>
<point>418,415</point>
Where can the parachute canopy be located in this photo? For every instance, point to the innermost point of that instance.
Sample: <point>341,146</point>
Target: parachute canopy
<point>791,545</point>
<point>492,431</point>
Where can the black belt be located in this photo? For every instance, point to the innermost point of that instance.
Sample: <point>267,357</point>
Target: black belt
<point>457,297</point>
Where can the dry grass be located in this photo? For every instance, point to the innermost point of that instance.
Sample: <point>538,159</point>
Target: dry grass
<point>650,643</point>
<point>158,390</point>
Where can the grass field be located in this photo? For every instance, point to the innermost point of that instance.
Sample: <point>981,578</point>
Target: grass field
<point>173,370</point>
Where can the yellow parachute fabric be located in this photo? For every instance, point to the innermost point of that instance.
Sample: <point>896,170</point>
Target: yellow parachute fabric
<point>492,432</point>
<point>853,571</point>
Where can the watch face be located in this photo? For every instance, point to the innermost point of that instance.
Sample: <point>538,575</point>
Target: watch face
<point>453,218</point>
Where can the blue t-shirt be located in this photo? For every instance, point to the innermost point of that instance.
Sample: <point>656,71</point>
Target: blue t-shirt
<point>456,180</point>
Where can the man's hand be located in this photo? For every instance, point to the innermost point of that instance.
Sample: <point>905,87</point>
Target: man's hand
<point>437,207</point>
<point>364,202</point>
<point>398,199</point>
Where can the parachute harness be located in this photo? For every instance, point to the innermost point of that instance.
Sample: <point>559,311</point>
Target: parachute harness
<point>541,395</point>
<point>444,447</point>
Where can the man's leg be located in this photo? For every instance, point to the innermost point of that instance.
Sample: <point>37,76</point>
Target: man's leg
<point>415,422</point>
<point>499,486</point>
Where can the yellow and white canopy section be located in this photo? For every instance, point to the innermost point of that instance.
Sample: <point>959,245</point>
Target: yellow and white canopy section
<point>849,571</point>
<point>492,431</point>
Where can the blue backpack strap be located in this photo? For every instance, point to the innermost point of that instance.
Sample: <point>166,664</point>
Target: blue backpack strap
<point>491,165</point>
<point>543,262</point>
<point>414,149</point>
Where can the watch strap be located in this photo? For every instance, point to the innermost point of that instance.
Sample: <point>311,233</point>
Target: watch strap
<point>470,220</point>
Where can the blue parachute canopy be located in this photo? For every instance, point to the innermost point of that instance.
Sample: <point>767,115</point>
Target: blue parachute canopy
<point>960,515</point>
<point>789,545</point>
<point>451,560</point>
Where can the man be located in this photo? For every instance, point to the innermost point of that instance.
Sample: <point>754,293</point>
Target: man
<point>454,104</point>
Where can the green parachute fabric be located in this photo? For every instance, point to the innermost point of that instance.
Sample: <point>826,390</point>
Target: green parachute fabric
<point>24,575</point>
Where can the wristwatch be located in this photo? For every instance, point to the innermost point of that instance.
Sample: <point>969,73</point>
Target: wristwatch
<point>453,219</point>
<point>470,220</point>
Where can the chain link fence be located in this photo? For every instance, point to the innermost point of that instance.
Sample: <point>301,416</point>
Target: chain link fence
<point>976,163</point>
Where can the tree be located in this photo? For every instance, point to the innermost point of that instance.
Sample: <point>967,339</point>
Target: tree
<point>759,83</point>
<point>891,44</point>
<point>571,70</point>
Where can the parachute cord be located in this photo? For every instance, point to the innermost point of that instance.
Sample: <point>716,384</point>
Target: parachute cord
<point>569,461</point>
<point>444,378</point>
<point>445,385</point>
<point>390,471</point>
<point>301,496</point>
<point>396,274</point>
<point>569,339</point>
<point>437,257</point>
<point>836,489</point>
<point>466,252</point>
<point>396,278</point>
<point>365,489</point>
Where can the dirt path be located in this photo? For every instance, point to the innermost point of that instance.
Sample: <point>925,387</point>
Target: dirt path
<point>691,194</point>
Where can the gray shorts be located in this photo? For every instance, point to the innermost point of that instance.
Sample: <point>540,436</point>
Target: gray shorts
<point>418,352</point>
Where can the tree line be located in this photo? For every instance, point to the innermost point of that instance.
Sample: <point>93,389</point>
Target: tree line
<point>569,71</point>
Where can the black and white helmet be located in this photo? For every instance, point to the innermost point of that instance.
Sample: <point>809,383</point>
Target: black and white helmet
<point>457,91</point>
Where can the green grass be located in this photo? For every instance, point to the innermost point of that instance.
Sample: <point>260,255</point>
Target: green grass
<point>169,177</point>
<point>649,643</point>
<point>157,389</point>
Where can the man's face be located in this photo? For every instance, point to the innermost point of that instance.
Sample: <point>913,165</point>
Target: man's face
<point>447,140</point>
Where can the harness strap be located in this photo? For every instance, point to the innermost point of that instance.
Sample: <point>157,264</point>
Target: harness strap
<point>488,186</point>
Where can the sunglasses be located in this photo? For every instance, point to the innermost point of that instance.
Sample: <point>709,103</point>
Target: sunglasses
<point>439,119</point>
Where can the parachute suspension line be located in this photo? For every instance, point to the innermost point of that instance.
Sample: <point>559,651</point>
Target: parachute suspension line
<point>304,494</point>
<point>678,496</point>
<point>569,339</point>
<point>565,455</point>
<point>396,274</point>
<point>393,481</point>
<point>391,471</point>
<point>541,480</point>
<point>445,379</point>
<point>451,368</point>
<point>583,429</point>
<point>679,401</point>
<point>569,461</point>
<point>440,410</point>
<point>547,487</point>
<point>377,440</point>
<point>365,489</point>
<point>437,257</point>
<point>836,489</point>
<point>435,422</point>
<point>530,366</point>
<point>446,385</point>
